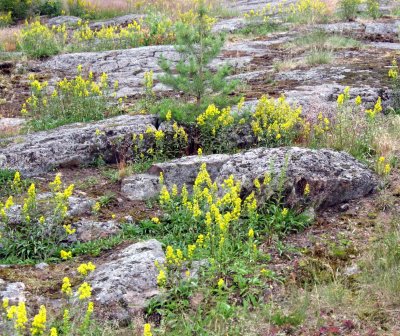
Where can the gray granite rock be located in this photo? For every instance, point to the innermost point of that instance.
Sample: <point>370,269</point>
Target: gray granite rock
<point>333,177</point>
<point>71,145</point>
<point>63,19</point>
<point>123,286</point>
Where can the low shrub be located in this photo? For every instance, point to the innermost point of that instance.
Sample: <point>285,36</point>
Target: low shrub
<point>50,7</point>
<point>154,29</point>
<point>77,100</point>
<point>373,9</point>
<point>37,40</point>
<point>367,134</point>
<point>348,9</point>
<point>37,231</point>
<point>5,19</point>
<point>19,8</point>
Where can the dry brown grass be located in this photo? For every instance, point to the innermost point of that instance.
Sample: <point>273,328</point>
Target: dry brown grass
<point>331,4</point>
<point>127,6</point>
<point>386,139</point>
<point>8,38</point>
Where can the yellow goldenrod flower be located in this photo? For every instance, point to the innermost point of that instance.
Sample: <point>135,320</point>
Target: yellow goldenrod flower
<point>155,220</point>
<point>68,229</point>
<point>85,269</point>
<point>340,100</point>
<point>306,190</point>
<point>358,101</point>
<point>168,116</point>
<point>147,330</point>
<point>251,234</point>
<point>285,212</point>
<point>6,302</point>
<point>39,322</point>
<point>53,332</point>
<point>65,255</point>
<point>66,287</point>
<point>161,278</point>
<point>221,283</point>
<point>96,207</point>
<point>84,291</point>
<point>387,169</point>
<point>9,203</point>
<point>17,179</point>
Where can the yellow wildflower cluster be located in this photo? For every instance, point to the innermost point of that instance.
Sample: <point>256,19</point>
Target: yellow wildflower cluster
<point>84,291</point>
<point>69,99</point>
<point>191,16</point>
<point>85,269</point>
<point>321,126</point>
<point>33,214</point>
<point>5,19</point>
<point>275,120</point>
<point>147,330</point>
<point>213,119</point>
<point>382,166</point>
<point>159,144</point>
<point>65,255</point>
<point>394,70</point>
<point>343,97</point>
<point>39,322</point>
<point>66,287</point>
<point>135,34</point>
<point>371,113</point>
<point>17,314</point>
<point>309,11</point>
<point>38,40</point>
<point>302,11</point>
<point>217,211</point>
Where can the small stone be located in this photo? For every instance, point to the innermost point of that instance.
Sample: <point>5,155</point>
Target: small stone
<point>123,286</point>
<point>141,187</point>
<point>15,292</point>
<point>129,219</point>
<point>344,207</point>
<point>42,266</point>
<point>352,270</point>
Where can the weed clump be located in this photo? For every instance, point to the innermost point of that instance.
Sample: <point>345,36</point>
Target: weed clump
<point>77,100</point>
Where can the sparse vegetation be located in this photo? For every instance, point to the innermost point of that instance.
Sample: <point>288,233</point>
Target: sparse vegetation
<point>223,245</point>
<point>77,100</point>
<point>197,47</point>
<point>348,9</point>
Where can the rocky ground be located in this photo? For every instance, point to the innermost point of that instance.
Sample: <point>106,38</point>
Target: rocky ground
<point>319,268</point>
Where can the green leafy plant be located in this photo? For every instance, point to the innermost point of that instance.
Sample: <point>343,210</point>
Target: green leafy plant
<point>77,100</point>
<point>5,19</point>
<point>37,40</point>
<point>373,8</point>
<point>348,9</point>
<point>18,8</point>
<point>50,7</point>
<point>35,232</point>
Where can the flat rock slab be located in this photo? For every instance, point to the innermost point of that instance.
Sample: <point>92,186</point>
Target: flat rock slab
<point>11,125</point>
<point>128,66</point>
<point>333,177</point>
<point>70,145</point>
<point>123,286</point>
<point>64,19</point>
<point>381,30</point>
